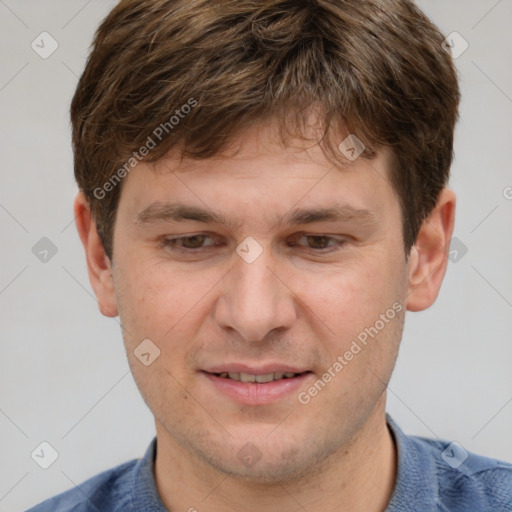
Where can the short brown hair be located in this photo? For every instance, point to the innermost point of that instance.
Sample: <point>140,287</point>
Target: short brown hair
<point>375,67</point>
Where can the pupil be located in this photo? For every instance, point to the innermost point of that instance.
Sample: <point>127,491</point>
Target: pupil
<point>197,238</point>
<point>322,245</point>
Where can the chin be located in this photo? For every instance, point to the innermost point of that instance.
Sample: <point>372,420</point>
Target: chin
<point>265,461</point>
<point>265,472</point>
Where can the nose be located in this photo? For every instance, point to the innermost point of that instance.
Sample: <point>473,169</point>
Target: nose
<point>254,299</point>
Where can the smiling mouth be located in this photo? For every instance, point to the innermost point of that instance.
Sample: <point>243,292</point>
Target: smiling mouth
<point>258,379</point>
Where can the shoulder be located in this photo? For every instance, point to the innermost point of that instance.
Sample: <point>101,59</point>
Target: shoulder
<point>467,480</point>
<point>106,491</point>
<point>438,475</point>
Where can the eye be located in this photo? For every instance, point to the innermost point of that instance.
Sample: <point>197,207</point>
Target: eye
<point>319,243</point>
<point>188,243</point>
<point>202,241</point>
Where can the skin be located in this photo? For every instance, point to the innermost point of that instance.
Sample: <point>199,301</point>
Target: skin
<point>296,304</point>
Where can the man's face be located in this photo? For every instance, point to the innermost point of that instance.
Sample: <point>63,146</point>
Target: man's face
<point>211,308</point>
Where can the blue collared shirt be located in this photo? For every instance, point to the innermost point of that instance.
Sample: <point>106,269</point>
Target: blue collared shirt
<point>433,475</point>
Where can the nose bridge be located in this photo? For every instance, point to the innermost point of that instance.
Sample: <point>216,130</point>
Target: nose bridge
<point>253,300</point>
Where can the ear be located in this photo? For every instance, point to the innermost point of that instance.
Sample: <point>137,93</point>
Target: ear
<point>429,256</point>
<point>98,263</point>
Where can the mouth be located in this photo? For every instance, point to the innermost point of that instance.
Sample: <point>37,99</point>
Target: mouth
<point>259,379</point>
<point>256,387</point>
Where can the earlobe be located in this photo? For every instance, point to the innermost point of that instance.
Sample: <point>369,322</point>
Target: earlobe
<point>98,263</point>
<point>429,256</point>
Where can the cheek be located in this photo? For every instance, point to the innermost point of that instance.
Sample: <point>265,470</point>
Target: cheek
<point>166,304</point>
<point>158,305</point>
<point>359,316</point>
<point>351,296</point>
<point>149,293</point>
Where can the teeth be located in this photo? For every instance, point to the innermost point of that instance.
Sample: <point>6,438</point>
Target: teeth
<point>269,377</point>
<point>247,377</point>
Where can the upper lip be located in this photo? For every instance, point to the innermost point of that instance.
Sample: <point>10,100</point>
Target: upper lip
<point>254,369</point>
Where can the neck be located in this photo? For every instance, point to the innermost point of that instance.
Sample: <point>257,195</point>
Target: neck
<point>359,476</point>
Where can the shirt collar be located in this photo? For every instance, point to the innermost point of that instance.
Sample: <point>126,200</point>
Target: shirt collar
<point>143,490</point>
<point>416,485</point>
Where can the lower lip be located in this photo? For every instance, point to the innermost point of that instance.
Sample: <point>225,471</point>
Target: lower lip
<point>252,393</point>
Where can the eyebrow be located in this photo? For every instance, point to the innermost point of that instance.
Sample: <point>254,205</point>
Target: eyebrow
<point>159,212</point>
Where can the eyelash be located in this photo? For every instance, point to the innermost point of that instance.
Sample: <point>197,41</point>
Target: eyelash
<point>172,243</point>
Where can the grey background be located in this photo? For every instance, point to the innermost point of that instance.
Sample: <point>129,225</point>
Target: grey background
<point>64,377</point>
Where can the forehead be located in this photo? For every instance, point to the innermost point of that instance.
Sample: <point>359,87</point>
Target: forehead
<point>260,176</point>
